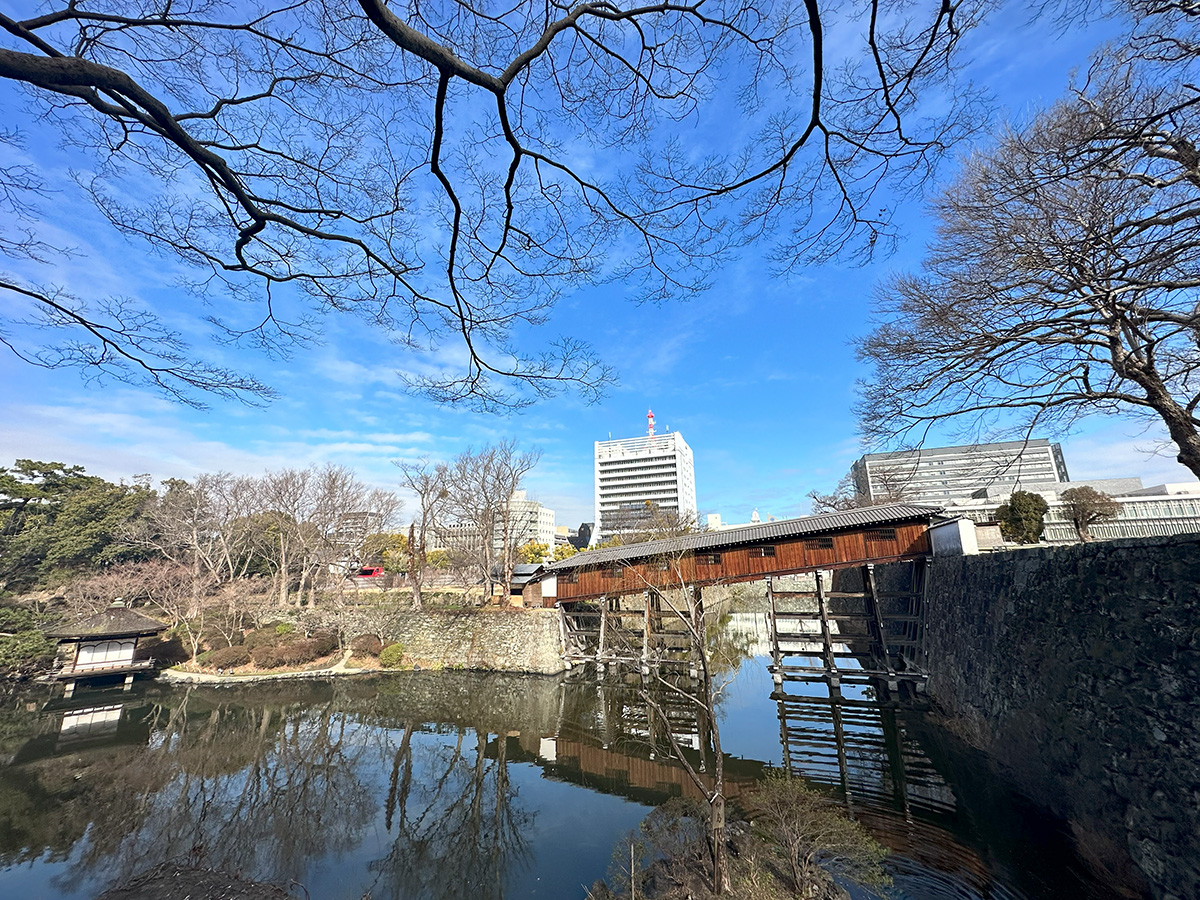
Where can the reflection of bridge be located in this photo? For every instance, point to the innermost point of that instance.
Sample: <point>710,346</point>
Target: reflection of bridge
<point>857,748</point>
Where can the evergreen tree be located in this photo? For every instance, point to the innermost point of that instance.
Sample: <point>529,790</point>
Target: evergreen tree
<point>1021,517</point>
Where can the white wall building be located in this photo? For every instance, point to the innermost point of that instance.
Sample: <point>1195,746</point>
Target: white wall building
<point>939,474</point>
<point>633,472</point>
<point>1160,510</point>
<point>530,522</point>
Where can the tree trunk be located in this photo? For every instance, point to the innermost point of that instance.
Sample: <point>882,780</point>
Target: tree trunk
<point>1180,424</point>
<point>416,562</point>
<point>721,880</point>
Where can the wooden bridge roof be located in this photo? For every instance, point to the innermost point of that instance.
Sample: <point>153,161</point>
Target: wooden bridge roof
<point>805,526</point>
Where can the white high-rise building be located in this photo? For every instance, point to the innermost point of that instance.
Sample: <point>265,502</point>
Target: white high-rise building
<point>635,477</point>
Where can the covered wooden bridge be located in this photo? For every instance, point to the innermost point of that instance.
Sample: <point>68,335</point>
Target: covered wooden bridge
<point>611,610</point>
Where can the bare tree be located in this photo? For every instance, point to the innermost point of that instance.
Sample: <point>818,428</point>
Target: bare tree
<point>430,168</point>
<point>1064,277</point>
<point>679,627</point>
<point>202,525</point>
<point>479,502</point>
<point>1085,506</point>
<point>647,521</point>
<point>428,483</point>
<point>304,511</point>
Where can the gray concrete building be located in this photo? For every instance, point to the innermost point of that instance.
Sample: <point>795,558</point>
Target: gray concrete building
<point>940,474</point>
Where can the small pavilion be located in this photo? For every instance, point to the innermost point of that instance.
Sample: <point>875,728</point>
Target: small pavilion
<point>103,644</point>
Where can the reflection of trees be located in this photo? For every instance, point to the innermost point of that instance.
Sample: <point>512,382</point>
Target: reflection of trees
<point>260,789</point>
<point>458,830</point>
<point>269,779</point>
<point>289,778</point>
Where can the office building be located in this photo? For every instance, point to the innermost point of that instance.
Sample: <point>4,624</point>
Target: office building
<point>941,474</point>
<point>1163,509</point>
<point>529,521</point>
<point>638,479</point>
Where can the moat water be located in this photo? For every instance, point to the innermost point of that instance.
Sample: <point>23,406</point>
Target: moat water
<point>459,785</point>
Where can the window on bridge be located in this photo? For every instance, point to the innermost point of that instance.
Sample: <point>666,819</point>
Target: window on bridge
<point>708,559</point>
<point>761,552</point>
<point>824,543</point>
<point>881,534</point>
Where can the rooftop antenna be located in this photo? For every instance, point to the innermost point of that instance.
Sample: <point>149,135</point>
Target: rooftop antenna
<point>650,416</point>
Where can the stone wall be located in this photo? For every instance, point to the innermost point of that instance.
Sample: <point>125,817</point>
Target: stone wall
<point>512,640</point>
<point>1077,669</point>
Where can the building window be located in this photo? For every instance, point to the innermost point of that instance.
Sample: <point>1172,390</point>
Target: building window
<point>612,572</point>
<point>823,543</point>
<point>761,552</point>
<point>571,577</point>
<point>881,534</point>
<point>708,559</point>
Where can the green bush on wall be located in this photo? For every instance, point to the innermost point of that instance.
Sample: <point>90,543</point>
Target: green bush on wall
<point>391,656</point>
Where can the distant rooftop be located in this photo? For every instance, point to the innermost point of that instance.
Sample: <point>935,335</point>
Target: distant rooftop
<point>116,621</point>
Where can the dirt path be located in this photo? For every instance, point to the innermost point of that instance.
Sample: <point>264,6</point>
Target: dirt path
<point>177,676</point>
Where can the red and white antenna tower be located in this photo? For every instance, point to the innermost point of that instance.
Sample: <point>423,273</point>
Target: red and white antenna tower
<point>650,417</point>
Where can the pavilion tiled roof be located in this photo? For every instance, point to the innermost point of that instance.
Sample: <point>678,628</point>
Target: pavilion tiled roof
<point>804,526</point>
<point>115,621</point>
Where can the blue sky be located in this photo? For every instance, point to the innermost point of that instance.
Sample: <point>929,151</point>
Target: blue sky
<point>758,373</point>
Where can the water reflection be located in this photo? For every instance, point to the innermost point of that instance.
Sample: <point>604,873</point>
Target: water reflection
<point>857,746</point>
<point>451,785</point>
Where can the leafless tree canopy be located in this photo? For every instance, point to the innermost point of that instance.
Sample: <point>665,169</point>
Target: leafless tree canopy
<point>1063,280</point>
<point>485,524</point>
<point>301,526</point>
<point>428,482</point>
<point>444,170</point>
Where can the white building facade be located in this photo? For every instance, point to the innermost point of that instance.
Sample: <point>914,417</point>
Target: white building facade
<point>529,521</point>
<point>637,475</point>
<point>940,474</point>
<point>1161,510</point>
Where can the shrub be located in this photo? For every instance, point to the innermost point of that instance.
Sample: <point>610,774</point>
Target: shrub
<point>266,656</point>
<point>812,837</point>
<point>283,628</point>
<point>227,657</point>
<point>325,640</point>
<point>25,653</point>
<point>259,637</point>
<point>14,619</point>
<point>366,645</point>
<point>392,656</point>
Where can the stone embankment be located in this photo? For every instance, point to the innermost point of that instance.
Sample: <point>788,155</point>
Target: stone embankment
<point>504,640</point>
<point>1078,669</point>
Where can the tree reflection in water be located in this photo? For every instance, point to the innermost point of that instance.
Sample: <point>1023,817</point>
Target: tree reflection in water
<point>275,784</point>
<point>458,829</point>
<point>261,790</point>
